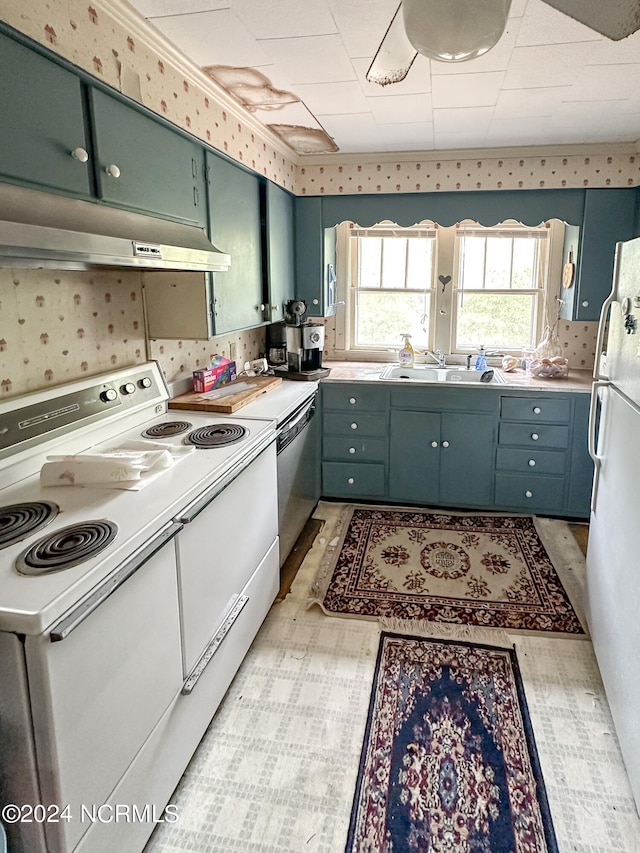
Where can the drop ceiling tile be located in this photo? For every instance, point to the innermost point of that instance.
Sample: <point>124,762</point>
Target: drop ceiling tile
<point>278,19</point>
<point>333,98</point>
<point>362,23</point>
<point>289,114</point>
<point>353,133</point>
<point>444,139</point>
<point>590,112</point>
<point>213,38</point>
<point>550,65</point>
<point>161,8</point>
<point>523,103</point>
<point>616,52</point>
<point>469,120</point>
<point>310,59</point>
<point>408,137</point>
<point>542,24</point>
<point>401,109</point>
<point>516,131</point>
<point>469,90</point>
<point>600,83</point>
<point>417,81</point>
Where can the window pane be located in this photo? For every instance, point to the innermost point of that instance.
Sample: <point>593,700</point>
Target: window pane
<point>393,261</point>
<point>498,272</point>
<point>381,318</point>
<point>472,262</point>
<point>499,321</point>
<point>370,249</point>
<point>419,264</point>
<point>524,263</point>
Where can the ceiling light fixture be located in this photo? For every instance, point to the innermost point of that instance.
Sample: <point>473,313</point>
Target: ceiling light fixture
<point>454,30</point>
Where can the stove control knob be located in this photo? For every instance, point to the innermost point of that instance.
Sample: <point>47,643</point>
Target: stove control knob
<point>128,388</point>
<point>109,395</point>
<point>145,382</point>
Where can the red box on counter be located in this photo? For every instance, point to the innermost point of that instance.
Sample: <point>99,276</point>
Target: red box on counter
<point>221,373</point>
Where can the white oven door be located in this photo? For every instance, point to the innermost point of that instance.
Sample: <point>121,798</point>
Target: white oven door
<point>98,692</point>
<point>225,537</point>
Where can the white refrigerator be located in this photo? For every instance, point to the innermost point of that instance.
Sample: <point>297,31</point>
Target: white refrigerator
<point>613,554</point>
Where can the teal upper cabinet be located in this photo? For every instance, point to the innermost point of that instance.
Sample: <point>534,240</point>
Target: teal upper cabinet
<point>609,217</point>
<point>279,229</point>
<point>315,258</point>
<point>235,223</point>
<point>42,123</point>
<point>143,165</point>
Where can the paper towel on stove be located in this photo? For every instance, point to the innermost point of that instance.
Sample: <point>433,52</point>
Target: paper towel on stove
<point>124,467</point>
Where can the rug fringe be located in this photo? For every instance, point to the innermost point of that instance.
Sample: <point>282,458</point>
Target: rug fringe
<point>447,631</point>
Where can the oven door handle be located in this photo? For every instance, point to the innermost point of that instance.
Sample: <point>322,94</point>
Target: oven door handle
<point>76,617</point>
<point>214,644</point>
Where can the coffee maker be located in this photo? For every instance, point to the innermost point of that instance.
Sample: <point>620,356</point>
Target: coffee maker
<point>304,342</point>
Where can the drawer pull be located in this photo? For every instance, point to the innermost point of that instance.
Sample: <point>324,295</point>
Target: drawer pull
<point>445,444</point>
<point>351,481</point>
<point>532,462</point>
<point>434,444</point>
<point>535,436</point>
<point>352,400</point>
<point>536,410</point>
<point>354,425</point>
<point>352,450</point>
<point>528,494</point>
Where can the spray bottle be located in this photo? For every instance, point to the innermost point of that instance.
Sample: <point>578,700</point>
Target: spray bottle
<point>406,356</point>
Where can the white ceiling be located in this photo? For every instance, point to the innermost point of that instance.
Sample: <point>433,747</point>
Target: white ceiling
<point>549,80</point>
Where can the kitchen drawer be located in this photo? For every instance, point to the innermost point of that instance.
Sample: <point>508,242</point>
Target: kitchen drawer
<point>530,491</point>
<point>533,461</point>
<point>336,423</point>
<point>365,479</point>
<point>354,448</point>
<point>556,410</point>
<point>534,435</point>
<point>355,399</point>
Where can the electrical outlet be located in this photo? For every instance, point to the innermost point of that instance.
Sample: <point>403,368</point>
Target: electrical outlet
<point>232,350</point>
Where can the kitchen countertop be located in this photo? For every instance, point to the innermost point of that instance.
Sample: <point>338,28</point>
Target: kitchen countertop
<point>369,371</point>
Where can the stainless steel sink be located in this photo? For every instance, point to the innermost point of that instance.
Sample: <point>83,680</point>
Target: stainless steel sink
<point>458,375</point>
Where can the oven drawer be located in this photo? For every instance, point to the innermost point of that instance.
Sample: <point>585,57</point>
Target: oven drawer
<point>97,695</point>
<point>219,550</point>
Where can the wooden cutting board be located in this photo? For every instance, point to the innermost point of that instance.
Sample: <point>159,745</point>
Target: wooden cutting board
<point>226,399</point>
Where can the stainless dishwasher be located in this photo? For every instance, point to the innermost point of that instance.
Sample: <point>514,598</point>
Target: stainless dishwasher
<point>298,465</point>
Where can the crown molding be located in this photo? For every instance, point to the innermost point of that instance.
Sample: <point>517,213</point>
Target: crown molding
<point>140,29</point>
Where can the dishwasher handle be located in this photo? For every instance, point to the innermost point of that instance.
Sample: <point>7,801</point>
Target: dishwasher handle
<point>291,429</point>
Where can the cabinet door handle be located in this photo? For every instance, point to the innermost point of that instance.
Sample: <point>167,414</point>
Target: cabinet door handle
<point>80,154</point>
<point>113,171</point>
<point>434,444</point>
<point>535,436</point>
<point>445,444</point>
<point>352,400</point>
<point>536,410</point>
<point>352,450</point>
<point>528,494</point>
<point>194,168</point>
<point>354,425</point>
<point>351,481</point>
<point>532,462</point>
<point>196,197</point>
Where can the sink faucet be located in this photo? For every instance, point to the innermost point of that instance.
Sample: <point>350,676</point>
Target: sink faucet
<point>438,356</point>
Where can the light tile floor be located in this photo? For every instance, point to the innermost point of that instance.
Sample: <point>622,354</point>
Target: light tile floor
<point>276,770</point>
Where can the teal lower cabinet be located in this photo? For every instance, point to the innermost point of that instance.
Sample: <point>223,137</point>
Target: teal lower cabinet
<point>442,458</point>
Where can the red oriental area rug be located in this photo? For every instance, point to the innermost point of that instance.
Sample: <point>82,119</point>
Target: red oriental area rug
<point>411,564</point>
<point>449,762</point>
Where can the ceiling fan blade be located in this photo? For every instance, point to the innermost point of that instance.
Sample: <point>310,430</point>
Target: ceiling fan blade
<point>395,55</point>
<point>615,19</point>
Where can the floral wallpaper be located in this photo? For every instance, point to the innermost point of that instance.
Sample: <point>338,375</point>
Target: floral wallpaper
<point>55,327</point>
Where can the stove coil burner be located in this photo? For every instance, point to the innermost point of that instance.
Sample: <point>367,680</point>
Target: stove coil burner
<point>166,430</point>
<point>19,520</point>
<point>216,435</point>
<point>66,547</point>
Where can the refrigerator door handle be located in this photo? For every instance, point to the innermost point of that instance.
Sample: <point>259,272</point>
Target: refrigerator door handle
<point>593,416</point>
<point>608,302</point>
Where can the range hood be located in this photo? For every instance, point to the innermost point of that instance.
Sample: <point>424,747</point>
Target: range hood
<point>44,231</point>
